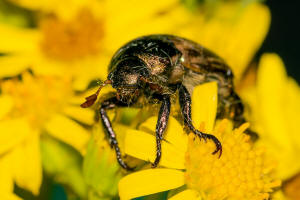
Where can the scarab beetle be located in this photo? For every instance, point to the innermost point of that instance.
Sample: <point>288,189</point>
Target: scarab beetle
<point>156,67</point>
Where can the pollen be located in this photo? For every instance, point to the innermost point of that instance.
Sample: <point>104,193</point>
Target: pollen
<point>242,172</point>
<point>35,98</point>
<point>74,39</point>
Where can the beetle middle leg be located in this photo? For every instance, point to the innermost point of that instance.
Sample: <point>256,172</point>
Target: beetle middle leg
<point>161,126</point>
<point>110,104</point>
<point>185,104</point>
<point>233,109</point>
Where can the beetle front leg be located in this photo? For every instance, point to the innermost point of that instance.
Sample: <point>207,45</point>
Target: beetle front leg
<point>109,104</point>
<point>161,126</point>
<point>185,104</point>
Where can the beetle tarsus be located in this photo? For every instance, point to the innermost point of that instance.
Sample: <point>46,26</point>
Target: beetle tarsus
<point>185,104</point>
<point>217,143</point>
<point>158,153</point>
<point>120,160</point>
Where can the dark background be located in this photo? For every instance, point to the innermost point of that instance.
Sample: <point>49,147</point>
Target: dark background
<point>284,35</point>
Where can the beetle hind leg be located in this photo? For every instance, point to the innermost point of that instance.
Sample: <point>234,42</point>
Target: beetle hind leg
<point>185,104</point>
<point>120,160</point>
<point>237,108</point>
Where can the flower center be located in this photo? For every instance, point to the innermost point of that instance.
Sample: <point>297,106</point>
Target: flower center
<point>242,172</point>
<point>36,98</point>
<point>69,40</point>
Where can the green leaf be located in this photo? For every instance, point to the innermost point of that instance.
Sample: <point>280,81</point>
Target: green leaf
<point>64,164</point>
<point>14,15</point>
<point>100,170</point>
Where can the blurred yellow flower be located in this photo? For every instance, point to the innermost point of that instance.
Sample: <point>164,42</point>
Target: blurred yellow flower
<point>242,172</point>
<point>274,113</point>
<point>65,10</point>
<point>9,197</point>
<point>80,40</point>
<point>234,33</point>
<point>72,45</point>
<point>31,105</point>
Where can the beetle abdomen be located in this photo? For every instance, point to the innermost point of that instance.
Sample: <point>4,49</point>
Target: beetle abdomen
<point>200,66</point>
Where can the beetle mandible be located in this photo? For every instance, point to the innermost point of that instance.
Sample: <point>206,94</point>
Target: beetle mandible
<point>156,66</point>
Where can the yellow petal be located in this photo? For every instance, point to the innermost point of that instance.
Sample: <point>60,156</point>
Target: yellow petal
<point>171,22</point>
<point>174,134</point>
<point>186,194</point>
<point>96,69</point>
<point>16,39</point>
<point>278,112</point>
<point>6,174</point>
<point>271,87</point>
<point>118,10</point>
<point>55,6</point>
<point>82,115</point>
<point>68,131</point>
<point>43,65</point>
<point>121,15</point>
<point>293,110</point>
<point>12,65</point>
<point>12,133</point>
<point>143,146</point>
<point>149,181</point>
<point>6,104</point>
<point>279,195</point>
<point>204,105</point>
<point>247,37</point>
<point>232,30</point>
<point>27,164</point>
<point>81,83</point>
<point>9,196</point>
<point>148,20</point>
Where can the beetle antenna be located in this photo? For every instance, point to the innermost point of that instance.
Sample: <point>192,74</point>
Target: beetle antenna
<point>90,100</point>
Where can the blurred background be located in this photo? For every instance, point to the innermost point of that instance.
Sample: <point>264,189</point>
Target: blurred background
<point>283,36</point>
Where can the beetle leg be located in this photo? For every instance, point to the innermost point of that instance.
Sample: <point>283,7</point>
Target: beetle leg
<point>237,109</point>
<point>185,104</point>
<point>161,126</point>
<point>110,104</point>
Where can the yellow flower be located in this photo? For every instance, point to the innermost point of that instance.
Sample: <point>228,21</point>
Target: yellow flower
<point>242,172</point>
<point>31,105</point>
<point>9,197</point>
<point>59,7</point>
<point>274,113</point>
<point>80,40</point>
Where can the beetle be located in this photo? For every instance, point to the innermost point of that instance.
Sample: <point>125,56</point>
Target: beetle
<point>156,67</point>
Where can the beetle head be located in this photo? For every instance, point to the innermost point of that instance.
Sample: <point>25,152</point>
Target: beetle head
<point>126,78</point>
